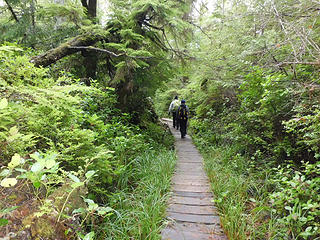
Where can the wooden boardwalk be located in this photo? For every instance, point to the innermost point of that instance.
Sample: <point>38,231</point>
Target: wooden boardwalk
<point>191,213</point>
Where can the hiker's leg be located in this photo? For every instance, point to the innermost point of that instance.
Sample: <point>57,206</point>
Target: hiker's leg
<point>174,119</point>
<point>183,128</point>
<point>178,122</point>
<point>185,132</point>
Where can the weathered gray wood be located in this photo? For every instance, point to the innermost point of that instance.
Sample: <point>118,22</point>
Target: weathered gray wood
<point>192,194</point>
<point>192,209</point>
<point>190,188</point>
<point>178,234</point>
<point>191,213</point>
<point>205,201</point>
<point>191,182</point>
<point>194,218</point>
<point>212,229</point>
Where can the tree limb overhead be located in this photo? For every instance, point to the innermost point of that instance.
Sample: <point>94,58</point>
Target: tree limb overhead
<point>65,49</point>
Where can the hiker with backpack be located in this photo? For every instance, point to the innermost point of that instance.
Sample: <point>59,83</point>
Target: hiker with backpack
<point>183,115</point>
<point>173,108</point>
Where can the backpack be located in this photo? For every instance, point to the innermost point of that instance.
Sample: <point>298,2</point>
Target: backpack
<point>183,112</point>
<point>176,105</point>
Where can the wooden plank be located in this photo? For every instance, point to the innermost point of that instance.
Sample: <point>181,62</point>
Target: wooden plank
<point>191,182</point>
<point>173,234</point>
<point>204,201</point>
<point>190,188</point>
<point>197,227</point>
<point>192,194</point>
<point>192,209</point>
<point>194,218</point>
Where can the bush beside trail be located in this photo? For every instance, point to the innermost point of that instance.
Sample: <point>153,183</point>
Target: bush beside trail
<point>65,150</point>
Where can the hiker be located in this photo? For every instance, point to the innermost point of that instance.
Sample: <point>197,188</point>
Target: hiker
<point>174,105</point>
<point>183,115</point>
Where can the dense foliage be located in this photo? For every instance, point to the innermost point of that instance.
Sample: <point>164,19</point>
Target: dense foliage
<point>59,134</point>
<point>78,130</point>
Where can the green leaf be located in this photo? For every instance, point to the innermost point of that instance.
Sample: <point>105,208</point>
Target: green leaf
<point>15,161</point>
<point>3,103</point>
<point>89,236</point>
<point>79,210</point>
<point>10,49</point>
<point>36,167</point>
<point>77,184</point>
<point>7,210</point>
<point>8,182</point>
<point>5,173</point>
<point>50,163</point>
<point>89,174</point>
<point>308,229</point>
<point>93,206</point>
<point>89,201</point>
<point>3,222</point>
<point>36,156</point>
<point>104,210</point>
<point>37,184</point>
<point>288,208</point>
<point>260,208</point>
<point>73,178</point>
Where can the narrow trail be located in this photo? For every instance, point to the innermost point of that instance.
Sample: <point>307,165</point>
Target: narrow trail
<point>191,213</point>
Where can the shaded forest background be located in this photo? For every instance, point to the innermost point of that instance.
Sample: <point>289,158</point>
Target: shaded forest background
<point>80,95</point>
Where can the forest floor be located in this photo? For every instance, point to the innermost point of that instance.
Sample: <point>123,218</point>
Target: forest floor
<point>190,213</point>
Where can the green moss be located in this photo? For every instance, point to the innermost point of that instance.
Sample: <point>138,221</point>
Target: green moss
<point>44,228</point>
<point>12,197</point>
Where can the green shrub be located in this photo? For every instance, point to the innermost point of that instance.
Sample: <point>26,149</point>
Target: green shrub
<point>296,200</point>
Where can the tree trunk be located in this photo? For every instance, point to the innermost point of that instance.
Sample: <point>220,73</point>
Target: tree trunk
<point>90,58</point>
<point>92,9</point>
<point>90,63</point>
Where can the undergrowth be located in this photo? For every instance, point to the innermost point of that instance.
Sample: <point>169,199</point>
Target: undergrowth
<point>258,201</point>
<point>68,156</point>
<point>139,211</point>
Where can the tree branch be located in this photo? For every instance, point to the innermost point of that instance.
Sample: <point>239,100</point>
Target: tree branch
<point>107,51</point>
<point>152,26</point>
<point>192,23</point>
<point>299,63</point>
<point>98,50</point>
<point>65,49</point>
<point>12,12</point>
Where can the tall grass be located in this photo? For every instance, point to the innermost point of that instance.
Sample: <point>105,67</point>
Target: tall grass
<point>239,195</point>
<point>140,208</point>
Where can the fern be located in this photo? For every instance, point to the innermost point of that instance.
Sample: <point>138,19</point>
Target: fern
<point>70,10</point>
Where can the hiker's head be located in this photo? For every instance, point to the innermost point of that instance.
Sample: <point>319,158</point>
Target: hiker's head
<point>176,97</point>
<point>183,102</point>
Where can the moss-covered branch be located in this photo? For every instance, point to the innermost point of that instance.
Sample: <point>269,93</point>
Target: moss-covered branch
<point>66,49</point>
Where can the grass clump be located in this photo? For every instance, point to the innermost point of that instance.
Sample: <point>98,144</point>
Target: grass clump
<point>139,208</point>
<point>238,195</point>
